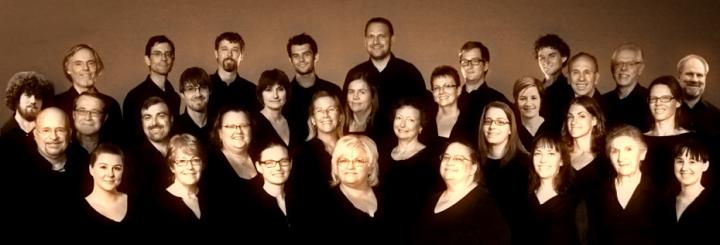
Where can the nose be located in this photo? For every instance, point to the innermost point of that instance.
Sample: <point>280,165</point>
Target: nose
<point>32,99</point>
<point>85,66</point>
<point>684,166</point>
<point>403,123</point>
<point>542,158</point>
<point>356,96</point>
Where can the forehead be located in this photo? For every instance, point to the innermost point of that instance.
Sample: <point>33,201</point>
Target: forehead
<point>109,158</point>
<point>163,47</point>
<point>156,109</point>
<point>577,108</point>
<point>583,63</point>
<point>82,54</point>
<point>324,101</point>
<point>660,89</point>
<point>235,117</point>
<point>444,79</point>
<point>299,49</point>
<point>408,111</point>
<point>494,112</point>
<point>227,44</point>
<point>457,149</point>
<point>273,152</point>
<point>358,84</point>
<point>624,141</point>
<point>353,152</point>
<point>531,90</point>
<point>89,102</point>
<point>545,51</point>
<point>693,65</point>
<point>471,54</point>
<point>627,55</point>
<point>377,28</point>
<point>51,118</point>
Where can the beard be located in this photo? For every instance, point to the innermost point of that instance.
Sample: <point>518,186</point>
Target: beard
<point>29,113</point>
<point>229,64</point>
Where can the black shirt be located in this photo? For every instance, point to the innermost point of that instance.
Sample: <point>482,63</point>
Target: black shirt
<point>472,104</point>
<point>135,99</point>
<point>632,110</point>
<point>239,92</point>
<point>185,124</point>
<point>555,103</point>
<point>298,105</point>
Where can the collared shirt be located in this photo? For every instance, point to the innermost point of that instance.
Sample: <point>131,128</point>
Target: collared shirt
<point>135,99</point>
<point>111,128</point>
<point>632,110</point>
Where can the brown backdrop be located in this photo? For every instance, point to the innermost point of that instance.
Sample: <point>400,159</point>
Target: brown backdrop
<point>36,34</point>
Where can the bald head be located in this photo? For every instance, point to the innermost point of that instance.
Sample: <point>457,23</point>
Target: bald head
<point>52,132</point>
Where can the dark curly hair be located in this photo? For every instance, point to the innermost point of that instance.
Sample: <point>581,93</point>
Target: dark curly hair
<point>30,83</point>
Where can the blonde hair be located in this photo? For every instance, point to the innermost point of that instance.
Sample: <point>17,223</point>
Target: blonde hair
<point>358,143</point>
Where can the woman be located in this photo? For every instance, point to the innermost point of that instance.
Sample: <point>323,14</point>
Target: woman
<point>551,209</point>
<point>450,122</point>
<point>106,206</point>
<point>664,99</point>
<point>273,91</point>
<point>361,105</point>
<point>528,93</point>
<point>464,213</point>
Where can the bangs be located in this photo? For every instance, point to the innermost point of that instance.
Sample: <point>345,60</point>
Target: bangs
<point>544,142</point>
<point>697,153</point>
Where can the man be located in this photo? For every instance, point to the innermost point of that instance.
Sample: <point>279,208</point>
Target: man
<point>228,87</point>
<point>303,55</point>
<point>195,92</point>
<point>83,67</point>
<point>26,94</point>
<point>394,78</point>
<point>627,103</point>
<point>701,115</point>
<point>584,76</point>
<point>89,118</point>
<point>159,57</point>
<point>476,94</point>
<point>552,53</point>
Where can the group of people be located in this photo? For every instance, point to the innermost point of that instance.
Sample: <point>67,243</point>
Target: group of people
<point>380,157</point>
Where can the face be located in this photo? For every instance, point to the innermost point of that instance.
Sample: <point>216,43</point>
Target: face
<point>663,110</point>
<point>228,55</point>
<point>196,97</point>
<point>627,67</point>
<point>579,121</point>
<point>583,76</point>
<point>407,123</point>
<point>326,115</point>
<point>547,162</point>
<point>52,133</point>
<point>626,154</point>
<point>235,131</point>
<point>82,67</point>
<point>354,168</point>
<point>359,96</point>
<point>473,73</point>
<point>496,126</point>
<point>688,171</point>
<point>187,168</point>
<point>692,78</point>
<point>274,97</point>
<point>528,102</point>
<point>274,165</point>
<point>29,106</point>
<point>445,91</point>
<point>378,40</point>
<point>156,121</point>
<point>303,59</point>
<point>456,164</point>
<point>161,59</point>
<point>107,171</point>
<point>550,61</point>
<point>88,115</point>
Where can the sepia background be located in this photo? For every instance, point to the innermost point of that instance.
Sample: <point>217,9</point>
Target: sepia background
<point>37,34</point>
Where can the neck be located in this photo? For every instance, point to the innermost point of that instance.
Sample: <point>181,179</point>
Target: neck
<point>592,92</point>
<point>101,194</point>
<point>80,90</point>
<point>271,114</point>
<point>547,183</point>
<point>160,146</point>
<point>158,80</point>
<point>624,91</point>
<point>629,179</point>
<point>306,80</point>
<point>692,102</point>
<point>531,121</point>
<point>58,162</point>
<point>227,76</point>
<point>460,186</point>
<point>497,151</point>
<point>551,78</point>
<point>583,143</point>
<point>235,153</point>
<point>407,144</point>
<point>273,189</point>
<point>358,190</point>
<point>449,110</point>
<point>328,140</point>
<point>381,63</point>
<point>665,127</point>
<point>25,125</point>
<point>473,85</point>
<point>183,190</point>
<point>361,116</point>
<point>198,117</point>
<point>89,142</point>
<point>691,190</point>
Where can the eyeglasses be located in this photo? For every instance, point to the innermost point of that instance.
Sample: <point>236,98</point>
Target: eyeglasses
<point>191,88</point>
<point>457,158</point>
<point>445,87</point>
<point>345,163</point>
<point>274,163</point>
<point>474,62</point>
<point>627,64</point>
<point>662,99</point>
<point>488,122</point>
<point>238,126</point>
<point>329,110</point>
<point>85,113</point>
<point>184,163</point>
<point>167,54</point>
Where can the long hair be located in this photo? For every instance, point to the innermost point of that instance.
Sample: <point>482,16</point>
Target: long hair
<point>598,131</point>
<point>562,180</point>
<point>312,130</point>
<point>513,146</point>
<point>374,101</point>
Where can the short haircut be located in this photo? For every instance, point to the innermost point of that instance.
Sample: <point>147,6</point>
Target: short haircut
<point>356,142</point>
<point>185,143</point>
<point>374,101</point>
<point>270,78</point>
<point>584,55</point>
<point>301,39</point>
<point>513,146</point>
<point>675,90</point>
<point>30,83</point>
<point>194,76</point>
<point>475,158</point>
<point>626,46</point>
<point>380,20</point>
<point>218,123</point>
<point>312,131</point>
<point>552,41</point>
<point>624,130</point>
<point>412,102</point>
<point>257,148</point>
<point>470,45</point>
<point>682,61</point>
<point>91,95</point>
<point>153,100</point>
<point>444,71</point>
<point>562,181</point>
<point>526,82</point>
<point>106,148</point>
<point>598,131</point>
<point>154,40</point>
<point>75,49</point>
<point>232,37</point>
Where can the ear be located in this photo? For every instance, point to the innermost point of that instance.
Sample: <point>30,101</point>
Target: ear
<point>240,56</point>
<point>705,166</point>
<point>317,57</point>
<point>147,60</point>
<point>597,78</point>
<point>594,121</point>
<point>643,152</point>
<point>216,54</point>
<point>678,104</point>
<point>258,168</point>
<point>312,121</point>
<point>563,59</point>
<point>392,40</point>
<point>486,67</point>
<point>90,169</point>
<point>641,68</point>
<point>105,118</point>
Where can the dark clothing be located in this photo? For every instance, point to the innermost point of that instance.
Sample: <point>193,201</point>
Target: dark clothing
<point>170,211</point>
<point>15,140</point>
<point>638,223</point>
<point>147,172</point>
<point>631,110</point>
<point>475,219</point>
<point>698,223</point>
<point>111,130</point>
<point>659,160</point>
<point>132,106</point>
<point>552,222</point>
<point>269,220</point>
<point>264,130</point>
<point>228,195</point>
<point>474,103</point>
<point>185,124</point>
<point>464,130</point>
<point>348,221</point>
<point>508,184</point>
<point>239,92</point>
<point>555,103</point>
<point>90,219</point>
<point>527,138</point>
<point>299,102</point>
<point>311,175</point>
<point>703,118</point>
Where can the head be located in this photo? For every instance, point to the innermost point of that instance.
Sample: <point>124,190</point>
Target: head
<point>195,87</point>
<point>691,161</point>
<point>460,163</point>
<point>379,36</point>
<point>499,127</point>
<point>273,89</point>
<point>552,53</point>
<point>627,64</point>
<point>361,96</point>
<point>474,61</point>
<point>25,93</point>
<point>325,115</point>
<point>232,129</point>
<point>89,114</point>
<point>584,119</point>
<point>272,161</point>
<point>584,75</point>
<point>303,53</point>
<point>107,165</point>
<point>229,48</point>
<point>82,66</point>
<point>355,162</point>
<point>156,119</point>
<point>550,160</point>
<point>665,98</point>
<point>445,86</point>
<point>186,159</point>
<point>626,150</point>
<point>52,133</point>
<point>159,55</point>
<point>692,73</point>
<point>528,93</point>
<point>409,120</point>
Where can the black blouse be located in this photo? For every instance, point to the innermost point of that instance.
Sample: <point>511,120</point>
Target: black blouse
<point>554,221</point>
